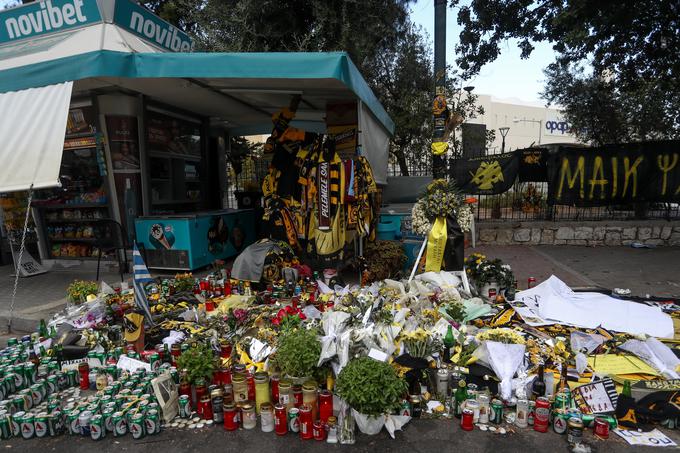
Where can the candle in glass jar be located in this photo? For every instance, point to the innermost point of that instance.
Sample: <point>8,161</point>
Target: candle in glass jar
<point>267,417</point>
<point>240,386</point>
<point>325,405</point>
<point>309,397</point>
<point>249,416</point>
<point>261,389</point>
<point>285,396</point>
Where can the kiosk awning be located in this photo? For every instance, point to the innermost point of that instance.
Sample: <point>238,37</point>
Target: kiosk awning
<point>32,131</point>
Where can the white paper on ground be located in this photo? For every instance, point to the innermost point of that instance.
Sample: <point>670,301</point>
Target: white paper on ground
<point>131,365</point>
<point>395,422</point>
<point>656,354</point>
<point>369,425</point>
<point>526,306</point>
<point>377,354</point>
<point>654,438</point>
<point>558,303</point>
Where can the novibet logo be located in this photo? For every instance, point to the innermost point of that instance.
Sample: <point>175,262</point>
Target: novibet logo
<point>162,33</point>
<point>47,18</point>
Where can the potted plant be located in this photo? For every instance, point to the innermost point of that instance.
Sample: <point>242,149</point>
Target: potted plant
<point>197,365</point>
<point>297,354</point>
<point>78,290</point>
<point>372,389</point>
<point>488,274</point>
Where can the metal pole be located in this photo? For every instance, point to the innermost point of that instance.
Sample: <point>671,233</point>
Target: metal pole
<point>439,162</point>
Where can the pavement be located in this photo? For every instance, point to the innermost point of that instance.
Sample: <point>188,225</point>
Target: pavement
<point>426,436</point>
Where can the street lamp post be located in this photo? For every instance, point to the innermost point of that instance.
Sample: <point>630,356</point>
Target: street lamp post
<point>540,125</point>
<point>504,131</point>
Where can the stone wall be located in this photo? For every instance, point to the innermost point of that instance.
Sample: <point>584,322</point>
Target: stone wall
<point>602,233</point>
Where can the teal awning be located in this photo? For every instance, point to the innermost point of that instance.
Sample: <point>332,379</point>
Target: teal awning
<point>243,88</point>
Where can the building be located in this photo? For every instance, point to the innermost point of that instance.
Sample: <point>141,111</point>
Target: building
<point>528,122</point>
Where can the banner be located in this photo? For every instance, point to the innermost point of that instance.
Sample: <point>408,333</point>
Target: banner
<point>621,173</point>
<point>533,164</point>
<point>486,175</point>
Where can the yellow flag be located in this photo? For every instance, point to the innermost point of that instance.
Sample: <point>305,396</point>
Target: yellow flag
<point>436,241</point>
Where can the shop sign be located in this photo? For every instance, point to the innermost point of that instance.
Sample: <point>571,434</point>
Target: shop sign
<point>47,17</point>
<point>150,27</point>
<point>557,126</point>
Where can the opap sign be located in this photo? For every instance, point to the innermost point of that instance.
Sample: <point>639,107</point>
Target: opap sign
<point>50,16</point>
<point>556,126</point>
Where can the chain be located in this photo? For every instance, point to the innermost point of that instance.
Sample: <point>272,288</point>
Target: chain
<point>21,255</point>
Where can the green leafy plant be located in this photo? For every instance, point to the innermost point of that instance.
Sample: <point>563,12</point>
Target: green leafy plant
<point>455,310</point>
<point>484,271</point>
<point>78,290</point>
<point>298,352</point>
<point>199,363</point>
<point>370,387</point>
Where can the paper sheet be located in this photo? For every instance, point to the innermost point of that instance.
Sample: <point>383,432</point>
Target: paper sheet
<point>526,306</point>
<point>612,364</point>
<point>654,438</point>
<point>558,303</point>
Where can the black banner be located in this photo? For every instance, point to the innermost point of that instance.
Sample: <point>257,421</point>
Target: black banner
<point>485,175</point>
<point>612,174</point>
<point>533,164</point>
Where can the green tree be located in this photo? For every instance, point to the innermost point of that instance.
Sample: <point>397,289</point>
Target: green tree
<point>632,47</point>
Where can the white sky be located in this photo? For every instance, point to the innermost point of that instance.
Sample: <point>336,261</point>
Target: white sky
<point>507,77</point>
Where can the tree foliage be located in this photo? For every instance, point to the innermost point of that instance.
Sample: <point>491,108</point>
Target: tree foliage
<point>632,47</point>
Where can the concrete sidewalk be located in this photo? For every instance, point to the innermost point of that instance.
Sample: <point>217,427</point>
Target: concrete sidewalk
<point>644,271</point>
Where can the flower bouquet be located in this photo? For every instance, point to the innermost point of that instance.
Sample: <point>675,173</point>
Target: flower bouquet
<point>503,350</point>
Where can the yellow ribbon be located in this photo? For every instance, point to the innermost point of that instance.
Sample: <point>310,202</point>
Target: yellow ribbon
<point>439,148</point>
<point>245,359</point>
<point>436,242</point>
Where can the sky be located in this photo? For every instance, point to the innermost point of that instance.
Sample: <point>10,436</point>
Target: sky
<point>509,76</point>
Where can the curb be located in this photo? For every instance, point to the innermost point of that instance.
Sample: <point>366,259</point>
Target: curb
<point>28,319</point>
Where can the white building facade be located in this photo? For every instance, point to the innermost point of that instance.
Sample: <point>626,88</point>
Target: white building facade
<point>528,123</point>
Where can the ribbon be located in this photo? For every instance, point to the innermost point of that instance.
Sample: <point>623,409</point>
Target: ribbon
<point>436,243</point>
<point>244,358</point>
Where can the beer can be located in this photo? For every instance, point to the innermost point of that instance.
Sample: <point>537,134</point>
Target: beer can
<point>28,426</point>
<point>541,414</point>
<point>137,426</point>
<point>152,422</point>
<point>16,423</point>
<point>496,415</point>
<point>72,378</point>
<point>5,428</point>
<point>97,427</point>
<point>41,428</point>
<point>531,413</point>
<point>531,282</point>
<point>184,406</point>
<point>559,421</point>
<point>52,384</point>
<point>19,403</point>
<point>107,414</point>
<point>293,420</point>
<point>73,422</point>
<point>84,421</point>
<point>119,424</point>
<point>54,424</point>
<point>154,361</point>
<point>574,430</point>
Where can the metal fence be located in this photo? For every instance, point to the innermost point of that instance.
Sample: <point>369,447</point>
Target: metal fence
<point>253,171</point>
<point>528,202</point>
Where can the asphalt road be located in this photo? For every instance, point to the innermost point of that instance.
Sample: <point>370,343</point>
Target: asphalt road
<point>426,436</point>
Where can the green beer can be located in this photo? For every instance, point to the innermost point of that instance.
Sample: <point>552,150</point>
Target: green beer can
<point>137,426</point>
<point>119,424</point>
<point>16,423</point>
<point>28,426</point>
<point>152,422</point>
<point>5,428</point>
<point>41,427</point>
<point>107,414</point>
<point>97,428</point>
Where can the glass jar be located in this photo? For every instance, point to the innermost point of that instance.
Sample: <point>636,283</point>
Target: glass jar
<point>240,387</point>
<point>285,396</point>
<point>309,397</point>
<point>267,417</point>
<point>332,429</point>
<point>325,405</point>
<point>261,389</point>
<point>249,416</point>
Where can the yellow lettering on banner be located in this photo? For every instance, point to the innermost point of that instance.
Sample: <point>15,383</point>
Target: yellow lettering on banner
<point>665,165</point>
<point>598,172</point>
<point>571,178</point>
<point>629,171</point>
<point>615,175</point>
